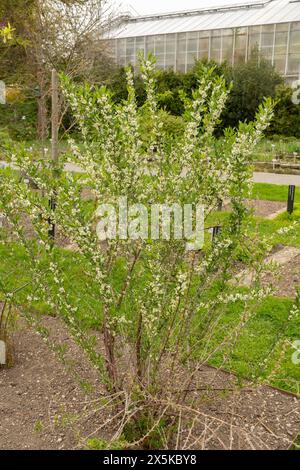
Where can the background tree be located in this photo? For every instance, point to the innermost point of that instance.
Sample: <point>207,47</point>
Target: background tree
<point>61,34</point>
<point>252,82</point>
<point>287,114</point>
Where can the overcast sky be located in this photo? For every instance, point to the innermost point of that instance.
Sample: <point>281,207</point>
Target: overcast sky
<point>144,7</point>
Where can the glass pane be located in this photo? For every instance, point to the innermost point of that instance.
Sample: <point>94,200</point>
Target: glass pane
<point>295,26</point>
<point>192,42</point>
<point>268,28</point>
<point>254,30</point>
<point>113,46</point>
<point>181,62</point>
<point>170,60</point>
<point>279,63</point>
<point>282,27</point>
<point>160,61</point>
<point>140,46</point>
<point>182,42</point>
<point>295,48</point>
<point>191,59</point>
<point>281,39</point>
<point>159,45</point>
<point>227,47</point>
<point>192,35</point>
<point>227,32</point>
<point>140,43</point>
<point>267,39</point>
<point>150,44</point>
<point>216,55</point>
<point>294,64</point>
<point>204,44</point>
<point>290,80</point>
<point>170,43</point>
<point>130,59</point>
<point>204,34</point>
<point>203,55</point>
<point>121,46</point>
<point>267,54</point>
<point>240,39</point>
<point>254,42</point>
<point>295,38</point>
<point>129,46</point>
<point>240,45</point>
<point>216,45</point>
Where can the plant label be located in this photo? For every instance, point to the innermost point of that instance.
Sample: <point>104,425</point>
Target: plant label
<point>291,199</point>
<point>2,352</point>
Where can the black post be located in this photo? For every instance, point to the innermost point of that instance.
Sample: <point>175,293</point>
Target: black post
<point>291,199</point>
<point>216,231</point>
<point>51,232</point>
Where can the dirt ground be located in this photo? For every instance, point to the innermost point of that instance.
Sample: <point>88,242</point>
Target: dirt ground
<point>40,399</point>
<point>286,282</point>
<point>261,208</point>
<point>282,273</point>
<point>43,406</point>
<point>265,208</point>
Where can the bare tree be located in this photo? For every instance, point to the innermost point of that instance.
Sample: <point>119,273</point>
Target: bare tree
<point>67,36</point>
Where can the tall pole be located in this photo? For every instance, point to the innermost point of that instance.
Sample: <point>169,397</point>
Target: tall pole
<point>54,143</point>
<point>54,119</point>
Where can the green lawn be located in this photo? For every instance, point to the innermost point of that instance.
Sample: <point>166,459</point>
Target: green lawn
<point>273,192</point>
<point>273,227</point>
<point>256,343</point>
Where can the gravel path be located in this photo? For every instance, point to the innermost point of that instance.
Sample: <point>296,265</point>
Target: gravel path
<point>258,177</point>
<point>273,178</point>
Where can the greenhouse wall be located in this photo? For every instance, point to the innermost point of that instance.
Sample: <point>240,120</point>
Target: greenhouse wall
<point>278,43</point>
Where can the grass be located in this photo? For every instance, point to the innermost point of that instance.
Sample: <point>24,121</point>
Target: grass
<point>39,150</point>
<point>273,192</point>
<point>267,227</point>
<point>257,342</point>
<point>14,274</point>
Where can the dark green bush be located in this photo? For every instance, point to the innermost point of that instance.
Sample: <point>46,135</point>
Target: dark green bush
<point>287,114</point>
<point>252,82</point>
<point>19,119</point>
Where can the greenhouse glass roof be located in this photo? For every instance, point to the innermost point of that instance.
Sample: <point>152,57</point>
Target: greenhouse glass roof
<point>231,16</point>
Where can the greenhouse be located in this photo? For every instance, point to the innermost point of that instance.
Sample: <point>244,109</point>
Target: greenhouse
<point>228,33</point>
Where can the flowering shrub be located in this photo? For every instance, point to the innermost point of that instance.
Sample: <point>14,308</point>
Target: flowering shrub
<point>156,304</point>
<point>6,33</point>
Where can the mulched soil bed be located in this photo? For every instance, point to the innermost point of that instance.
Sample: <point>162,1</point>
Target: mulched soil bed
<point>262,208</point>
<point>265,208</point>
<point>248,418</point>
<point>287,280</point>
<point>43,406</point>
<point>39,399</point>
